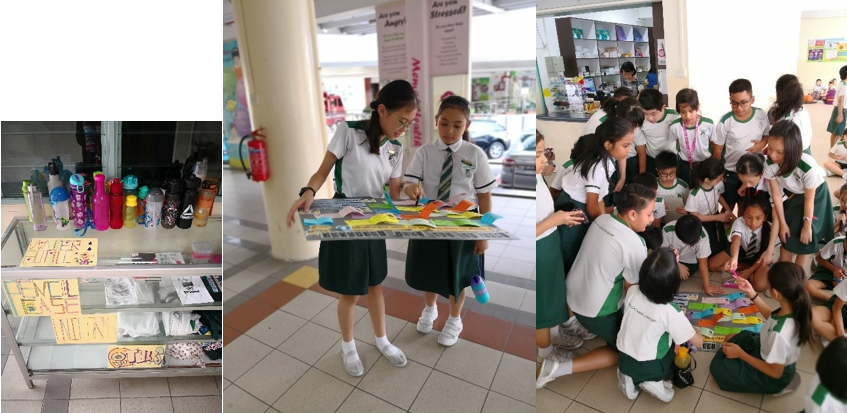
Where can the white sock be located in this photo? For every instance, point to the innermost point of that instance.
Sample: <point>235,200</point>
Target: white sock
<point>432,307</point>
<point>454,319</point>
<point>571,320</point>
<point>544,352</point>
<point>385,346</point>
<point>554,331</point>
<point>348,346</point>
<point>565,368</point>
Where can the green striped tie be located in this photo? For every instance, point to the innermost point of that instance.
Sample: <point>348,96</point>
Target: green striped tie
<point>751,246</point>
<point>446,177</point>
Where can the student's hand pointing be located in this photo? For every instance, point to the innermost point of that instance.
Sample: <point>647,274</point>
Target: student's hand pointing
<point>304,202</point>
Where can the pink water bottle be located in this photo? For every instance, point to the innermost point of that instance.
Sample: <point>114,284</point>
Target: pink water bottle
<point>100,203</point>
<point>78,205</point>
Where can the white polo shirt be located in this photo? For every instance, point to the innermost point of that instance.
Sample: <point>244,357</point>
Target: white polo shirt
<point>359,173</point>
<point>597,181</point>
<point>559,175</point>
<point>543,205</point>
<point>706,134</point>
<point>611,253</point>
<point>738,136</point>
<point>705,202</point>
<point>673,198</point>
<point>656,135</point>
<point>819,400</point>
<point>659,211</point>
<point>688,254</point>
<point>740,229</point>
<point>471,174</point>
<point>593,122</point>
<point>833,252</point>
<point>807,175</point>
<point>648,330</point>
<point>839,150</point>
<point>779,340</point>
<point>801,118</point>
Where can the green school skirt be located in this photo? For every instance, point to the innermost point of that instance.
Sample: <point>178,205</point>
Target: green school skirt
<point>350,267</point>
<point>717,236</point>
<point>609,199</point>
<point>442,267</point>
<point>736,375</point>
<point>834,128</point>
<point>605,327</point>
<point>823,227</point>
<point>551,309</point>
<point>823,275</point>
<point>829,304</point>
<point>651,370</point>
<point>571,237</point>
<point>731,186</point>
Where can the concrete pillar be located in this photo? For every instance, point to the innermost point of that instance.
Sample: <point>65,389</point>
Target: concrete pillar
<point>278,47</point>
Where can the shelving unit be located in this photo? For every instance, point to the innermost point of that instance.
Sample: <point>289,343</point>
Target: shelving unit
<point>32,338</point>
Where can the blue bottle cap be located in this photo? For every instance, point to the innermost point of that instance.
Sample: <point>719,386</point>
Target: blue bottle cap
<point>59,194</point>
<point>130,182</point>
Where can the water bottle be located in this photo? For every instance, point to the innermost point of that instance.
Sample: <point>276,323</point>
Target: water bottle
<point>60,201</point>
<point>479,290</point>
<point>200,168</point>
<point>682,360</point>
<point>129,211</point>
<point>153,210</point>
<point>78,204</point>
<point>100,202</point>
<point>142,195</point>
<point>25,192</point>
<point>170,211</point>
<point>36,208</point>
<point>130,183</point>
<point>54,181</point>
<point>189,198</point>
<point>682,376</point>
<point>116,203</point>
<point>204,205</point>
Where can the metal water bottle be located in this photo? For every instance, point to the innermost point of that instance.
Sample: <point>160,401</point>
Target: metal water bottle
<point>153,210</point>
<point>60,201</point>
<point>36,208</point>
<point>78,205</point>
<point>189,198</point>
<point>170,211</point>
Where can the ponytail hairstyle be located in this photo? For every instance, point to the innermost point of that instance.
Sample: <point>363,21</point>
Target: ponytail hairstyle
<point>626,108</point>
<point>751,163</point>
<point>789,96</point>
<point>592,151</point>
<point>395,95</point>
<point>788,278</point>
<point>620,93</point>
<point>711,168</point>
<point>789,132</point>
<point>461,104</point>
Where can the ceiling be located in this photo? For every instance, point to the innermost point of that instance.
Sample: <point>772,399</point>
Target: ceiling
<point>820,14</point>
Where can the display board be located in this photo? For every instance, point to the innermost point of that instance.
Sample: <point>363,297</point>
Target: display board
<point>827,50</point>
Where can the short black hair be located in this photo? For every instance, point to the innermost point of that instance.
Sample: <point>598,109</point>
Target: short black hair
<point>761,200</point>
<point>627,67</point>
<point>710,168</point>
<point>658,278</point>
<point>652,237</point>
<point>843,72</point>
<point>741,85</point>
<point>647,180</point>
<point>818,80</point>
<point>626,108</point>
<point>623,92</point>
<point>751,163</point>
<point>833,377</point>
<point>689,229</point>
<point>789,132</point>
<point>633,197</point>
<point>687,97</point>
<point>666,160</point>
<point>651,99</point>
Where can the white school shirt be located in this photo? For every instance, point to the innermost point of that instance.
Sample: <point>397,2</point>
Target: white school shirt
<point>648,330</point>
<point>543,205</point>
<point>819,400</point>
<point>701,143</point>
<point>597,182</point>
<point>659,211</point>
<point>359,173</point>
<point>738,136</point>
<point>836,215</point>
<point>807,175</point>
<point>705,202</point>
<point>656,135</point>
<point>740,228</point>
<point>596,286</point>
<point>673,198</point>
<point>801,118</point>
<point>841,93</point>
<point>779,340</point>
<point>559,175</point>
<point>593,122</point>
<point>688,254</point>
<point>471,174</point>
<point>833,252</point>
<point>839,150</point>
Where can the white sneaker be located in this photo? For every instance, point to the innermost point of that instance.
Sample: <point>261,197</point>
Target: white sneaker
<point>427,318</point>
<point>658,390</point>
<point>567,341</point>
<point>544,374</point>
<point>450,333</point>
<point>560,354</point>
<point>626,386</point>
<point>795,383</point>
<point>576,329</point>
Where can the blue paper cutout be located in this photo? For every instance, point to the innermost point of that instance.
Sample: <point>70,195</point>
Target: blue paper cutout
<point>489,218</point>
<point>319,221</point>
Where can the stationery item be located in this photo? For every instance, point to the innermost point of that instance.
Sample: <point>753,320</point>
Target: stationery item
<point>169,258</point>
<point>191,290</point>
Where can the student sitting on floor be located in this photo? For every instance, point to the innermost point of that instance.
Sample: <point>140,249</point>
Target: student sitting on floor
<point>652,237</point>
<point>829,320</point>
<point>687,237</point>
<point>706,200</point>
<point>828,390</point>
<point>832,268</point>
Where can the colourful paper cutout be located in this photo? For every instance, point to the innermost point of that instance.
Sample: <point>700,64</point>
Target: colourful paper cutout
<point>89,328</point>
<point>465,223</point>
<point>706,332</point>
<point>319,221</point>
<point>717,338</point>
<point>442,223</point>
<point>710,322</point>
<point>425,211</point>
<point>722,330</point>
<point>374,220</point>
<point>43,297</point>
<point>751,320</point>
<point>410,209</point>
<point>714,300</point>
<point>749,310</point>
<point>380,206</point>
<point>123,357</point>
<point>349,210</point>
<point>755,329</point>
<point>60,252</point>
<point>701,306</point>
<point>420,221</point>
<point>738,316</point>
<point>489,218</point>
<point>735,296</point>
<point>725,311</point>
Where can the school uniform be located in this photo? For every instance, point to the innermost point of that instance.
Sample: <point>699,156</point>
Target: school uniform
<point>657,138</point>
<point>801,118</point>
<point>841,95</point>
<point>706,202</point>
<point>807,175</point>
<point>611,253</point>
<point>594,121</point>
<point>819,400</point>
<point>752,243</point>
<point>840,291</point>
<point>446,267</point>
<point>674,197</point>
<point>659,211</point>
<point>737,136</point>
<point>631,157</point>
<point>778,343</point>
<point>698,146</point>
<point>839,150</point>
<point>552,304</point>
<point>833,252</point>
<point>350,267</point>
<point>836,216</point>
<point>688,254</point>
<point>648,332</point>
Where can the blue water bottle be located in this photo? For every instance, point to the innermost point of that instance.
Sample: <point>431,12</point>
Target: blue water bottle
<point>478,286</point>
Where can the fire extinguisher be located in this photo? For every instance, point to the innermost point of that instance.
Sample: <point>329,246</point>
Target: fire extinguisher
<point>258,155</point>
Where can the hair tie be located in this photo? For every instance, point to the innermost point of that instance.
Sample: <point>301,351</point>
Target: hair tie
<point>375,104</point>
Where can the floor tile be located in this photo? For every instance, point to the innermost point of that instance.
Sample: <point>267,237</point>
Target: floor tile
<point>200,404</point>
<point>307,305</point>
<point>470,362</point>
<point>229,334</point>
<point>247,315</point>
<point>528,303</point>
<point>272,377</point>
<point>463,397</point>
<point>710,403</point>
<point>145,387</point>
<point>750,399</point>
<point>93,388</point>
<point>485,330</point>
<point>703,360</point>
<point>547,401</point>
<point>809,354</point>
<point>19,406</point>
<point>193,386</point>
<point>14,386</point>
<point>54,406</point>
<point>328,317</point>
<point>364,329</point>
<point>792,402</point>
<point>94,405</point>
<point>223,384</point>
<point>684,401</point>
<point>519,254</point>
<point>238,255</point>
<point>579,408</point>
<point>506,295</point>
<point>147,405</point>
<point>359,401</point>
<point>316,392</point>
<point>403,305</point>
<point>237,400</point>
<point>276,328</point>
<point>331,363</point>
<point>242,355</point>
<point>497,403</point>
<point>601,392</point>
<point>521,342</point>
<point>58,389</point>
<point>571,385</point>
<point>309,343</point>
<point>279,294</point>
<point>266,266</point>
<point>396,385</point>
<point>318,289</point>
<point>514,379</point>
<point>304,277</point>
<point>422,348</point>
<point>243,280</point>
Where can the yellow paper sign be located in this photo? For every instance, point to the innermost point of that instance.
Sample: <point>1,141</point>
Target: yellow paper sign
<point>89,328</point>
<point>61,252</point>
<point>133,357</point>
<point>410,209</point>
<point>43,297</point>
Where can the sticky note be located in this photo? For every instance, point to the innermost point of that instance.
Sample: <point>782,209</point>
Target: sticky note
<point>374,220</point>
<point>443,223</point>
<point>738,316</point>
<point>753,320</point>
<point>735,296</point>
<point>319,221</point>
<point>380,206</point>
<point>749,310</point>
<point>489,218</point>
<point>465,223</point>
<point>755,329</point>
<point>463,205</point>
<point>701,306</point>
<point>410,209</point>
<point>421,221</point>
<point>710,322</point>
<point>471,215</point>
<point>706,332</point>
<point>725,311</point>
<point>715,300</point>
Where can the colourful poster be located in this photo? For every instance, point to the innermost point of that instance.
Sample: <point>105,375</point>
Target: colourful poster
<point>391,38</point>
<point>61,252</point>
<point>89,328</point>
<point>479,89</point>
<point>133,357</point>
<point>42,297</point>
<point>827,50</point>
<point>236,116</point>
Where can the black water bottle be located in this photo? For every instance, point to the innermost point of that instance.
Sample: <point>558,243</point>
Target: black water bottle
<point>170,210</point>
<point>189,198</point>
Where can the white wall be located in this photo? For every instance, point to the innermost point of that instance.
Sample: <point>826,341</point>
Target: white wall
<point>835,27</point>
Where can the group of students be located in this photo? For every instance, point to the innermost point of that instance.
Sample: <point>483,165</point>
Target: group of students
<point>624,193</point>
<point>366,156</point>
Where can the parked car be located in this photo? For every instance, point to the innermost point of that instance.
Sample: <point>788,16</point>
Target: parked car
<point>519,164</point>
<point>491,137</point>
<point>334,109</point>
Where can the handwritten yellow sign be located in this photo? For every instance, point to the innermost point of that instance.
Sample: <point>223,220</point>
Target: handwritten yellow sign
<point>61,252</point>
<point>43,297</point>
<point>89,328</point>
<point>133,357</point>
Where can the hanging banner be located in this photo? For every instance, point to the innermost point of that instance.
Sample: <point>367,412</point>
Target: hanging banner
<point>391,39</point>
<point>81,329</point>
<point>417,67</point>
<point>449,37</point>
<point>827,50</point>
<point>42,297</point>
<point>660,44</point>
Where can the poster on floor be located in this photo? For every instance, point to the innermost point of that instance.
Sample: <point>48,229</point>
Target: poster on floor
<point>35,298</point>
<point>827,50</point>
<point>391,38</point>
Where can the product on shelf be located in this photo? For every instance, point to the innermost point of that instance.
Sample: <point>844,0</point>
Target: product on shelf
<point>189,198</point>
<point>205,201</point>
<point>78,202</point>
<point>100,203</point>
<point>35,204</point>
<point>201,252</point>
<point>170,213</point>
<point>191,290</point>
<point>60,201</point>
<point>153,210</point>
<point>130,219</point>
<point>138,324</point>
<point>121,291</point>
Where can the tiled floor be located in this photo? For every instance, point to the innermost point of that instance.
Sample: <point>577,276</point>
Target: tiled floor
<point>282,335</point>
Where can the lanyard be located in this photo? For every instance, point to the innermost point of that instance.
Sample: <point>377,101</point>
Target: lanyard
<point>690,150</point>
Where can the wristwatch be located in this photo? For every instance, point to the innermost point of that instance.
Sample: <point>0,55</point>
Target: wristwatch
<point>307,188</point>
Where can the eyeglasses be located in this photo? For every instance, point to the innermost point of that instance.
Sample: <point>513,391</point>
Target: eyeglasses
<point>667,175</point>
<point>400,123</point>
<point>742,104</point>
